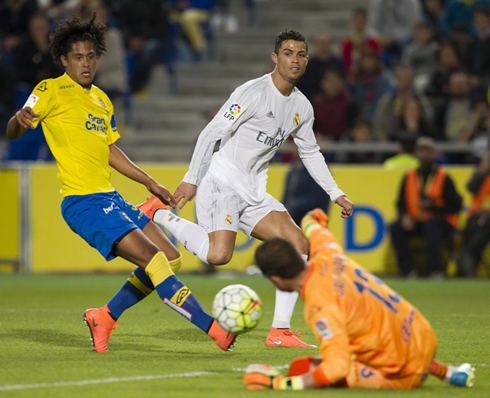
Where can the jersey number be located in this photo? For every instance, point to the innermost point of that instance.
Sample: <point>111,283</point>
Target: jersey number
<point>389,302</point>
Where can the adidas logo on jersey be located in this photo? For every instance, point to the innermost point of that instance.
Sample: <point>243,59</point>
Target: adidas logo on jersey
<point>270,114</point>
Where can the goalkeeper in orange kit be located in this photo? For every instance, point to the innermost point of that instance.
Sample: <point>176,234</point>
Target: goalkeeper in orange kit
<point>369,336</point>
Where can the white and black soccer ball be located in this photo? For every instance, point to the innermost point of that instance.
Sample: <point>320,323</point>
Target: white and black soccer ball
<point>237,308</point>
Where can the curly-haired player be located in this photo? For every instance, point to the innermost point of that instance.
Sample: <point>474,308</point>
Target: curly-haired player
<point>79,125</point>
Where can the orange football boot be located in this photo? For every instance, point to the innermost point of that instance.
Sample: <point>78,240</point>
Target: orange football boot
<point>285,338</point>
<point>100,331</point>
<point>151,205</point>
<point>222,338</point>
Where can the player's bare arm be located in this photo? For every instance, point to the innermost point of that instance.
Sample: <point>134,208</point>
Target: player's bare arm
<point>347,206</point>
<point>20,122</point>
<point>120,162</point>
<point>184,192</point>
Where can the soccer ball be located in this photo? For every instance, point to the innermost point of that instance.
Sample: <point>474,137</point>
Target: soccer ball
<point>237,308</point>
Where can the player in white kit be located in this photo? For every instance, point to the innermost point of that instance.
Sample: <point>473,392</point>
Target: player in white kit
<point>230,185</point>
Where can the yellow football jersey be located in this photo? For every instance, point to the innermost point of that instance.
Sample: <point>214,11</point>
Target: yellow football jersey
<point>79,126</point>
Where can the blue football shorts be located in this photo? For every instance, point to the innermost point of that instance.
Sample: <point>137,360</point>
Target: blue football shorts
<point>102,219</point>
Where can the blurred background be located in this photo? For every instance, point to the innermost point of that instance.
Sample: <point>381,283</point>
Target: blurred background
<point>381,74</point>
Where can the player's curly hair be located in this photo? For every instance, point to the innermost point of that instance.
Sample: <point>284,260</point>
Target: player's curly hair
<point>278,257</point>
<point>288,34</point>
<point>73,30</point>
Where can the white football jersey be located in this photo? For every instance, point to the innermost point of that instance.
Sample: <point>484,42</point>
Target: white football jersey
<point>252,125</point>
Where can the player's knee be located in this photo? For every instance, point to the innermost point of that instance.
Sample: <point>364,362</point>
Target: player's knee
<point>219,257</point>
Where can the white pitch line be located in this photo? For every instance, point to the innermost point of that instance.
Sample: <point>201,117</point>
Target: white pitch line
<point>119,379</point>
<point>135,378</point>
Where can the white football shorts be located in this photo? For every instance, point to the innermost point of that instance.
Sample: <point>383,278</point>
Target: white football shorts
<point>220,207</point>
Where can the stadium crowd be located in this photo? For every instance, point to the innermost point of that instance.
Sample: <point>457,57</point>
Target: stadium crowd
<point>408,68</point>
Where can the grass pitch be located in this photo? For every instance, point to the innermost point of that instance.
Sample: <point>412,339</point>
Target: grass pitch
<point>45,349</point>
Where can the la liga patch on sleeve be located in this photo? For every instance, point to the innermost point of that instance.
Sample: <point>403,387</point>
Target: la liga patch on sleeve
<point>31,101</point>
<point>323,328</point>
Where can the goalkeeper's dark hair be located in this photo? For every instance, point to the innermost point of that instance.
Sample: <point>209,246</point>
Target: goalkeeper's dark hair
<point>278,257</point>
<point>288,34</point>
<point>73,30</point>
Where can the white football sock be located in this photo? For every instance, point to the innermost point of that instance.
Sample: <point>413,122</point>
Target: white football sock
<point>194,237</point>
<point>285,302</point>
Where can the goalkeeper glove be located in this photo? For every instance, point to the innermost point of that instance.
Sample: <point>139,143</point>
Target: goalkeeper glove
<point>264,377</point>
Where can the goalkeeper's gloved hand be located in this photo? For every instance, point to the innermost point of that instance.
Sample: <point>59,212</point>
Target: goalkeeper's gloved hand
<point>313,220</point>
<point>264,377</point>
<point>319,216</point>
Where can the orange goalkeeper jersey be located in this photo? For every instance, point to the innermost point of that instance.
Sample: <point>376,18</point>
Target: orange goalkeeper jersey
<point>356,317</point>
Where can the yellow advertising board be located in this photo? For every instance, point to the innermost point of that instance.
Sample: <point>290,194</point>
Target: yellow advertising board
<point>55,248</point>
<point>10,217</point>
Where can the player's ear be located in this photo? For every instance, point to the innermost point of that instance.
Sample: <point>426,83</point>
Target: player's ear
<point>64,61</point>
<point>276,280</point>
<point>274,58</point>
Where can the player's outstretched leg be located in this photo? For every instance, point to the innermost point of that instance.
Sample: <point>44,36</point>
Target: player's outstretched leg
<point>191,235</point>
<point>458,376</point>
<point>179,297</point>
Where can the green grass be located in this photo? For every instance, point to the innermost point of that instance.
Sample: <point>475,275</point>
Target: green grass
<point>43,339</point>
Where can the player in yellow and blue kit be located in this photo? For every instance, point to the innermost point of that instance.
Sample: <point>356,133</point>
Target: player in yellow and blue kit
<point>80,129</point>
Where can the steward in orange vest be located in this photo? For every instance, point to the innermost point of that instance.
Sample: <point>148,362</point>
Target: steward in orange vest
<point>428,205</point>
<point>476,234</point>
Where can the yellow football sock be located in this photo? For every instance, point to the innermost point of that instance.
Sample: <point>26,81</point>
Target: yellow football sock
<point>158,269</point>
<point>176,264</point>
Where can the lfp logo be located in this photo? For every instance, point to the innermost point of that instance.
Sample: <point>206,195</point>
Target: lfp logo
<point>235,109</point>
<point>232,112</point>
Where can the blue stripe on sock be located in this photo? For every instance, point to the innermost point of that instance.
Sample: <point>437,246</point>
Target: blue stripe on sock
<point>125,298</point>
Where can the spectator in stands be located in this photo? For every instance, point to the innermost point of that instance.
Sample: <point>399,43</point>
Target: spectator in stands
<point>404,159</point>
<point>370,83</point>
<point>420,55</point>
<point>448,61</point>
<point>321,59</point>
<point>301,192</point>
<point>32,58</point>
<point>352,45</point>
<point>459,13</point>
<point>394,113</point>
<point>191,14</point>
<point>112,75</point>
<point>83,9</point>
<point>361,133</point>
<point>428,205</point>
<point>479,49</point>
<point>334,108</point>
<point>476,234</point>
<point>478,128</point>
<point>14,23</point>
<point>144,25</point>
<point>452,120</point>
<point>391,22</point>
<point>414,119</point>
<point>432,11</point>
<point>460,37</point>
<point>7,93</point>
